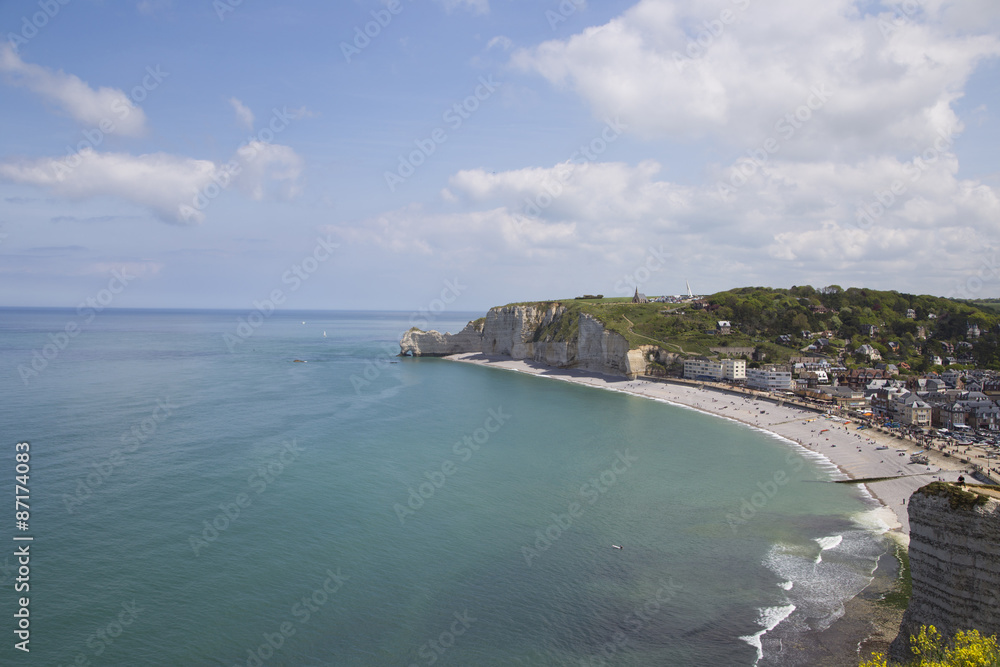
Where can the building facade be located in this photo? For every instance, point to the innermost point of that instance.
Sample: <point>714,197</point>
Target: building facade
<point>701,368</point>
<point>769,380</point>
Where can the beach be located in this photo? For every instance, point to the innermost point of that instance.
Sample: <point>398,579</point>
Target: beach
<point>866,625</point>
<point>855,452</point>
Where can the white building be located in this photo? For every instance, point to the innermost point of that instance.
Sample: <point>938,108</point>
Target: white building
<point>769,380</point>
<point>702,369</point>
<point>734,369</point>
<point>706,369</point>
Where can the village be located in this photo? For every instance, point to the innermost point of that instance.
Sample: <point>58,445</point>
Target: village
<point>908,372</point>
<point>956,412</point>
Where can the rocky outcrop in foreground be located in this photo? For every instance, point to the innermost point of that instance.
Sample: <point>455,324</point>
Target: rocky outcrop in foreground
<point>549,335</point>
<point>954,562</point>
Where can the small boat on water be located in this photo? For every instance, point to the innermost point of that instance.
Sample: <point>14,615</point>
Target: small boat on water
<point>617,546</point>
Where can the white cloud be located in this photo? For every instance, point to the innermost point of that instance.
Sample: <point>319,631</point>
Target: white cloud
<point>502,41</point>
<point>151,7</point>
<point>476,6</point>
<point>794,224</point>
<point>269,170</point>
<point>732,70</point>
<point>243,114</point>
<point>160,182</point>
<point>87,106</point>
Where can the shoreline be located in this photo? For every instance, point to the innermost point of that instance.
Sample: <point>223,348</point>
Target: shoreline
<point>853,453</point>
<point>867,624</point>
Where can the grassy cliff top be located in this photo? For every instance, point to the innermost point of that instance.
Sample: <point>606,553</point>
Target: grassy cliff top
<point>649,323</point>
<point>957,497</point>
<point>902,328</point>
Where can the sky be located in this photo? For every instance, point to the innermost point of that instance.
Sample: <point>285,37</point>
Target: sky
<point>460,154</point>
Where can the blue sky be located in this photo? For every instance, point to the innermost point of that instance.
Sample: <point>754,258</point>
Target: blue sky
<point>212,152</point>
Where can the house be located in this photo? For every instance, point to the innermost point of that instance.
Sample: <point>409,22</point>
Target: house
<point>859,377</point>
<point>984,417</point>
<point>910,313</point>
<point>869,329</point>
<point>884,404</point>
<point>947,415</point>
<point>868,351</point>
<point>815,378</point>
<point>922,333</point>
<point>928,385</point>
<point>723,327</point>
<point>952,379</point>
<point>972,331</point>
<point>785,339</point>
<point>913,411</point>
<point>846,397</point>
<point>639,298</point>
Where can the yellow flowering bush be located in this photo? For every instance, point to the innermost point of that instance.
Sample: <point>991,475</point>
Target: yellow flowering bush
<point>967,649</point>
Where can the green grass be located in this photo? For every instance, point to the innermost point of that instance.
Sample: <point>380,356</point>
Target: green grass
<point>899,597</point>
<point>760,315</point>
<point>988,305</point>
<point>957,498</point>
<point>651,324</point>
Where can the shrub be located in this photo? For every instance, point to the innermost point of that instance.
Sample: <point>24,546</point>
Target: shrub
<point>967,649</point>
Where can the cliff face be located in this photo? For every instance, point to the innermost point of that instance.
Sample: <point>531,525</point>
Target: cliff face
<point>435,344</point>
<point>955,565</point>
<point>551,336</point>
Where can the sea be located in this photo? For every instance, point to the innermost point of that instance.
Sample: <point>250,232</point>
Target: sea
<point>247,489</point>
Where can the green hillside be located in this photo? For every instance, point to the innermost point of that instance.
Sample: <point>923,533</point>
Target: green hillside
<point>773,321</point>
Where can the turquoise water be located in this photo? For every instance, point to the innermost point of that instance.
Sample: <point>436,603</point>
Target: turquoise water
<point>193,505</point>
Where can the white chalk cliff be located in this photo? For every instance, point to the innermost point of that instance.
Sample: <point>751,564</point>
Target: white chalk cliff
<point>955,567</point>
<point>548,334</point>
